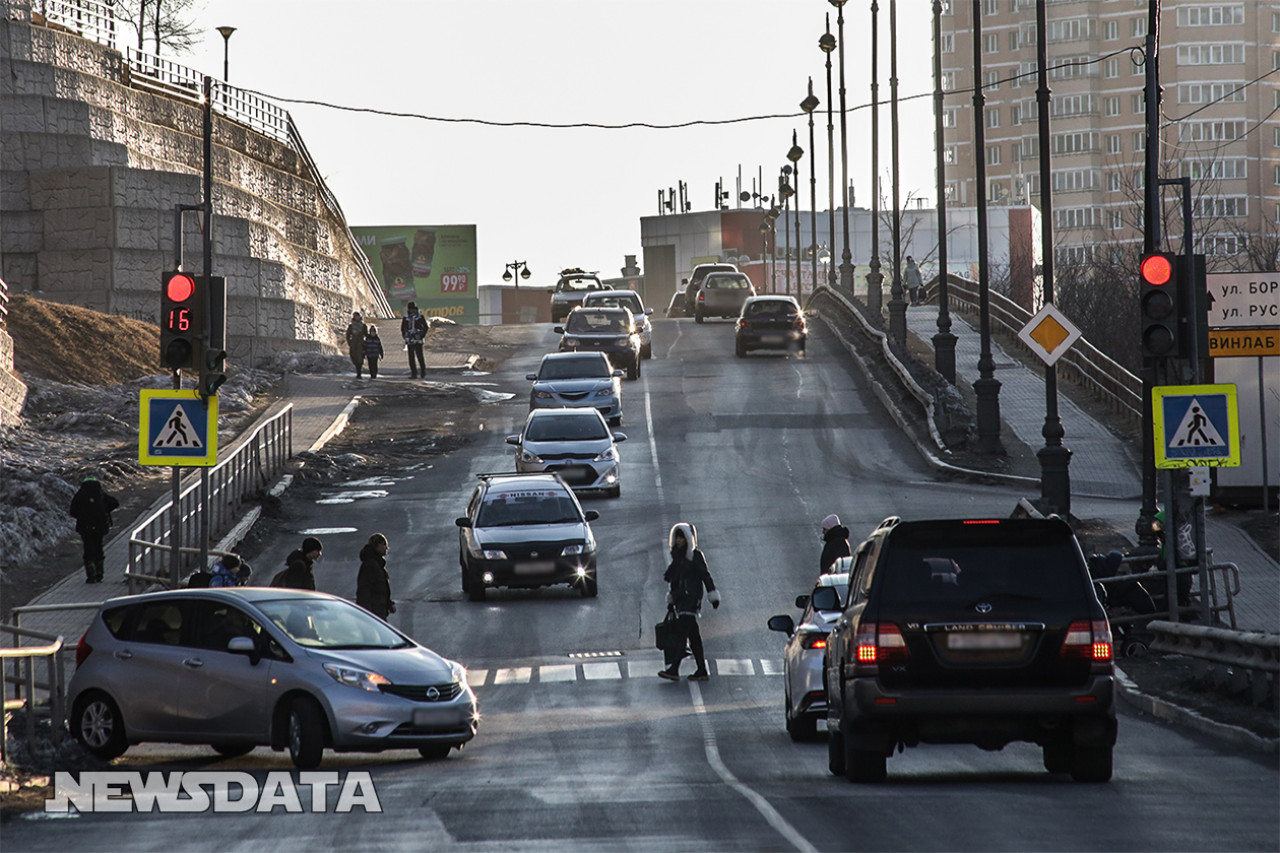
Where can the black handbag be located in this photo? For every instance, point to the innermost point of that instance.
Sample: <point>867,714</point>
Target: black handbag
<point>667,633</point>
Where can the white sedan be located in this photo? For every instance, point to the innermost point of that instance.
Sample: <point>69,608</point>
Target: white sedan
<point>806,700</point>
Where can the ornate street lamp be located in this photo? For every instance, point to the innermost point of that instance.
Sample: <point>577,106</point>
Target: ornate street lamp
<point>827,44</point>
<point>516,265</point>
<point>809,104</point>
<point>897,305</point>
<point>772,216</point>
<point>944,343</point>
<point>226,49</point>
<point>785,192</point>
<point>794,156</point>
<point>875,279</point>
<point>846,258</point>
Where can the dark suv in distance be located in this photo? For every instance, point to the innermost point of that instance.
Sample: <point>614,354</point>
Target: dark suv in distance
<point>978,631</point>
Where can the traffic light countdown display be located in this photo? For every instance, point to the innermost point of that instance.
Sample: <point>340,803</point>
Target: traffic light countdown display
<point>181,320</point>
<point>1158,300</point>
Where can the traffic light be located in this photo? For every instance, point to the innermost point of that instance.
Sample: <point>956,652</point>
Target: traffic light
<point>1193,305</point>
<point>1158,300</point>
<point>181,320</point>
<point>213,372</point>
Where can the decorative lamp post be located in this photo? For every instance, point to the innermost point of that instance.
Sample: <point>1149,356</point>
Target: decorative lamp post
<point>794,156</point>
<point>226,49</point>
<point>897,305</point>
<point>809,104</point>
<point>516,265</point>
<point>944,343</point>
<point>846,257</point>
<point>827,43</point>
<point>786,192</point>
<point>772,216</point>
<point>875,279</point>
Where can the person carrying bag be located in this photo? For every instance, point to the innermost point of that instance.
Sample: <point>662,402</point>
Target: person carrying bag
<point>688,575</point>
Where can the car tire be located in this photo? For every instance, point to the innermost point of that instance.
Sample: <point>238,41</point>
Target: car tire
<point>616,421</point>
<point>861,765</point>
<point>233,750</point>
<point>436,751</point>
<point>633,370</point>
<point>476,590</point>
<point>646,351</point>
<point>801,729</point>
<point>614,491</point>
<point>1091,763</point>
<point>466,575</point>
<point>835,753</point>
<point>740,350</point>
<point>697,317</point>
<point>306,733</point>
<point>590,587</point>
<point>1057,757</point>
<point>97,724</point>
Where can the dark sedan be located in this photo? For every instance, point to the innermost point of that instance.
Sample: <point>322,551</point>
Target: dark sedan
<point>612,331</point>
<point>770,322</point>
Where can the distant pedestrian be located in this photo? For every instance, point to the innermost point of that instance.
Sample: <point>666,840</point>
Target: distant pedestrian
<point>372,350</point>
<point>91,507</point>
<point>356,332</point>
<point>687,575</point>
<point>913,281</point>
<point>229,571</point>
<point>835,543</point>
<point>298,572</point>
<point>373,584</point>
<point>413,328</point>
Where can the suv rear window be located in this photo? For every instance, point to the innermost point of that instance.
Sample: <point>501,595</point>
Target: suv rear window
<point>726,282</point>
<point>963,565</point>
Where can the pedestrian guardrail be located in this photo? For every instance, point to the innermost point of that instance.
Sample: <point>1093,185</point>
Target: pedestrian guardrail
<point>1224,586</point>
<point>24,659</point>
<point>235,480</point>
<point>1251,658</point>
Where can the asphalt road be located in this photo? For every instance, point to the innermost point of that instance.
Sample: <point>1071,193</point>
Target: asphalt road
<point>582,747</point>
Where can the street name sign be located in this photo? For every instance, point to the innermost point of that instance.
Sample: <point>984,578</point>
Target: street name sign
<point>1244,300</point>
<point>177,428</point>
<point>1242,343</point>
<point>1196,426</point>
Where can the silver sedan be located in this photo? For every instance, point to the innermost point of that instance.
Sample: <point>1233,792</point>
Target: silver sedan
<point>805,701</point>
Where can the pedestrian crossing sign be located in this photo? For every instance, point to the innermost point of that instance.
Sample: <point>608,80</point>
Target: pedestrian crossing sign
<point>1196,425</point>
<point>177,428</point>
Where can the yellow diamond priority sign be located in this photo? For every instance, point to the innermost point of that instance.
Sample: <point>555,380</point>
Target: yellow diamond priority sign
<point>1049,334</point>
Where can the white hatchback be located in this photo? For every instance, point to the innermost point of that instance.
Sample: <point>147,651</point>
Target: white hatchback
<point>806,700</point>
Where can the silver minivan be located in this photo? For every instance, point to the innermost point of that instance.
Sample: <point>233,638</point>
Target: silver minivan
<point>241,667</point>
<point>574,443</point>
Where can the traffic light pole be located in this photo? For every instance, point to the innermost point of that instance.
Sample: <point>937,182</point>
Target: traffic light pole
<point>1145,525</point>
<point>206,339</point>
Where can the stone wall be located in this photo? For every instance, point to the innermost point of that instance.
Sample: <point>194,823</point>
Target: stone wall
<point>91,171</point>
<point>12,392</point>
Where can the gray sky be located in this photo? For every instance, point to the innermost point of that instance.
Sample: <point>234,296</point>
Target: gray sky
<point>567,197</point>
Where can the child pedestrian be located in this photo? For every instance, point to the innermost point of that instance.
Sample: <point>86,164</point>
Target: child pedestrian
<point>372,350</point>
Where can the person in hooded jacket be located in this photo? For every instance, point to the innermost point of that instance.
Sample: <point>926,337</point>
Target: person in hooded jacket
<point>835,543</point>
<point>687,575</point>
<point>373,584</point>
<point>356,333</point>
<point>298,572</point>
<point>91,507</point>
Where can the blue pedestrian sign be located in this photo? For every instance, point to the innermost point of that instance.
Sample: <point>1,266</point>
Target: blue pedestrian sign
<point>1196,426</point>
<point>177,428</point>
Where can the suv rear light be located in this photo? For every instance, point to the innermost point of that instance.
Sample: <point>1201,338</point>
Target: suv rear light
<point>881,642</point>
<point>1088,640</point>
<point>83,649</point>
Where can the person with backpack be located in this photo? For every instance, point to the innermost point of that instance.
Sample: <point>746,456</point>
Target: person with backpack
<point>298,572</point>
<point>688,575</point>
<point>373,583</point>
<point>229,571</point>
<point>372,350</point>
<point>91,507</point>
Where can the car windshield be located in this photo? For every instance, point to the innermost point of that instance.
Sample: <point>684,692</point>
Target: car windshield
<point>577,284</point>
<point>586,427</point>
<point>592,367</point>
<point>726,282</point>
<point>531,507</point>
<point>771,308</point>
<point>967,574</point>
<point>326,624</point>
<point>588,322</point>
<point>608,300</point>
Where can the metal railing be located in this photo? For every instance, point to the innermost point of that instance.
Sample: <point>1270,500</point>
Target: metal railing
<point>233,481</point>
<point>1224,586</point>
<point>86,18</point>
<point>24,658</point>
<point>1238,661</point>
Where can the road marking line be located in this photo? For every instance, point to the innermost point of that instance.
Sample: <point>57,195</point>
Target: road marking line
<point>726,666</point>
<point>653,443</point>
<point>598,671</point>
<point>769,666</point>
<point>515,675</point>
<point>768,812</point>
<point>558,672</point>
<point>476,677</point>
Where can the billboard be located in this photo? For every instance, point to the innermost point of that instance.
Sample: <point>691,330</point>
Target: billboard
<point>432,265</point>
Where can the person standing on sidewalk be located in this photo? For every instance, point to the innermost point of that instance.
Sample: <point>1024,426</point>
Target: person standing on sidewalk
<point>687,575</point>
<point>91,507</point>
<point>372,350</point>
<point>356,332</point>
<point>911,277</point>
<point>373,583</point>
<point>413,328</point>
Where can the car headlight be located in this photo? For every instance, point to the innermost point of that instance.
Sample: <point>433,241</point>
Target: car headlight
<point>623,342</point>
<point>543,395</point>
<point>480,552</point>
<point>608,455</point>
<point>569,342</point>
<point>574,550</point>
<point>605,392</point>
<point>526,456</point>
<point>352,677</point>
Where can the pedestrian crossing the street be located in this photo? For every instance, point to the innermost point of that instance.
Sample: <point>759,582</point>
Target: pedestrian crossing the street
<point>613,670</point>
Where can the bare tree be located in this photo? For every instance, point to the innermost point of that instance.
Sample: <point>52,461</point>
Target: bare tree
<point>169,23</point>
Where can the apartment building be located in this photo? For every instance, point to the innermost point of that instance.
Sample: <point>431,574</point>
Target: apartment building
<point>1219,122</point>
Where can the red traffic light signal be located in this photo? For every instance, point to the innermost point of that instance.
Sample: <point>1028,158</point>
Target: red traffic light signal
<point>181,320</point>
<point>1156,269</point>
<point>1158,305</point>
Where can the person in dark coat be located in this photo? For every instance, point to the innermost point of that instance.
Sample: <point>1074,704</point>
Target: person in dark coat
<point>91,507</point>
<point>356,332</point>
<point>298,572</point>
<point>372,350</point>
<point>835,543</point>
<point>373,584</point>
<point>687,575</point>
<point>912,279</point>
<point>413,328</point>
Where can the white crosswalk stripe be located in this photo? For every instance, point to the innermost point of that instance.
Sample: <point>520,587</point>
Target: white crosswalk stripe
<point>615,671</point>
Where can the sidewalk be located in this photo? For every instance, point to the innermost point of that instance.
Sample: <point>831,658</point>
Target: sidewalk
<point>1101,464</point>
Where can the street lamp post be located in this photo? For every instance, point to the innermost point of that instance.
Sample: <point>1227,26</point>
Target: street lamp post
<point>794,155</point>
<point>875,279</point>
<point>827,43</point>
<point>846,257</point>
<point>809,104</point>
<point>772,218</point>
<point>944,343</point>
<point>516,266</point>
<point>784,190</point>
<point>897,306</point>
<point>226,49</point>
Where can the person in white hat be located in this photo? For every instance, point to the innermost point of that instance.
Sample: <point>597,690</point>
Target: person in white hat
<point>835,543</point>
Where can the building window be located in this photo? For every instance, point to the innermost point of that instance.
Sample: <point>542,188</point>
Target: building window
<point>948,80</point>
<point>1275,176</point>
<point>1222,169</point>
<point>993,155</point>
<point>1110,30</point>
<point>1138,27</point>
<point>1115,219</point>
<point>948,43</point>
<point>1070,29</point>
<point>1140,141</point>
<point>1015,114</point>
<point>1113,143</point>
<point>1138,103</point>
<point>991,80</point>
<point>949,154</point>
<point>993,117</point>
<point>1210,131</point>
<point>991,43</point>
<point>1013,40</point>
<point>1210,54</point>
<point>1228,91</point>
<point>1113,182</point>
<point>949,117</point>
<point>995,192</point>
<point>1074,143</point>
<point>1111,68</point>
<point>991,7</point>
<point>1224,244</point>
<point>1215,15</point>
<point>950,190</point>
<point>1113,106</point>
<point>1220,206</point>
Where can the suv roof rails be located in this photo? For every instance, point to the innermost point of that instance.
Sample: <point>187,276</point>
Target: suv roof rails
<point>891,521</point>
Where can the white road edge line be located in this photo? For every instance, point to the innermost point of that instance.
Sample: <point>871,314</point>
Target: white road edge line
<point>653,443</point>
<point>768,812</point>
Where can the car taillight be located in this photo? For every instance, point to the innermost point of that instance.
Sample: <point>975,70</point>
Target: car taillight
<point>799,323</point>
<point>881,642</point>
<point>83,650</point>
<point>702,297</point>
<point>1088,640</point>
<point>813,640</point>
<point>744,324</point>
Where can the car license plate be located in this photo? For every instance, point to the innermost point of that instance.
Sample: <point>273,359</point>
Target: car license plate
<point>540,567</point>
<point>433,717</point>
<point>984,640</point>
<point>771,339</point>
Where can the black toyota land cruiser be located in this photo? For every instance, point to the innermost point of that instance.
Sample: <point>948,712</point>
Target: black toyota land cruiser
<point>978,631</point>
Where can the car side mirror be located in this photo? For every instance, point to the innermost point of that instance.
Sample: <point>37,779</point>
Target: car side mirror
<point>513,439</point>
<point>591,515</point>
<point>782,623</point>
<point>559,330</point>
<point>619,436</point>
<point>826,598</point>
<point>462,521</point>
<point>619,373</point>
<point>648,311</point>
<point>245,646</point>
<point>532,377</point>
<point>802,601</point>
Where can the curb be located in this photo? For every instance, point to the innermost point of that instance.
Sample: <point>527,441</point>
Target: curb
<point>1176,714</point>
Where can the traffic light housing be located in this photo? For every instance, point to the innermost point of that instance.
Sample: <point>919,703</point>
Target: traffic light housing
<point>1158,301</point>
<point>213,372</point>
<point>213,367</point>
<point>182,301</point>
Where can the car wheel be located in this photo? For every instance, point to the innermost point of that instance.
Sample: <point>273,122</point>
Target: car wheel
<point>861,765</point>
<point>436,751</point>
<point>475,590</point>
<point>633,370</point>
<point>306,733</point>
<point>616,421</point>
<point>647,351</point>
<point>739,349</point>
<point>614,491</point>
<point>697,317</point>
<point>1091,763</point>
<point>801,729</point>
<point>835,753</point>
<point>1057,757</point>
<point>99,726</point>
<point>232,750</point>
<point>466,575</point>
<point>590,587</point>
